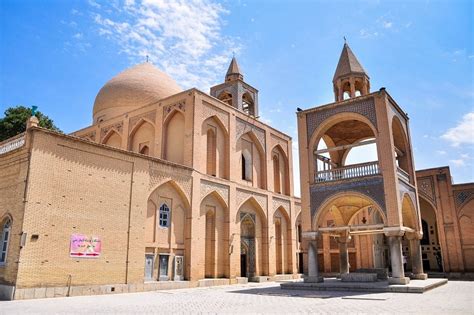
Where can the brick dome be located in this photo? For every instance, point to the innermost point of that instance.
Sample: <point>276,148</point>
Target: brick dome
<point>133,88</point>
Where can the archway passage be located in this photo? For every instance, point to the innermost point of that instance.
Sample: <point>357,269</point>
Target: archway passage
<point>352,237</point>
<point>254,237</point>
<point>247,239</point>
<point>430,247</point>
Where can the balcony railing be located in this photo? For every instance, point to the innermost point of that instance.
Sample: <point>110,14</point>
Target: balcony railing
<point>348,172</point>
<point>12,144</point>
<point>403,175</point>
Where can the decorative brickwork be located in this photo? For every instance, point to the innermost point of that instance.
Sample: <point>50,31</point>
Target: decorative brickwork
<point>243,195</point>
<point>160,173</point>
<point>426,188</point>
<point>105,130</point>
<point>149,116</point>
<point>365,108</point>
<point>283,143</point>
<point>208,186</point>
<point>209,111</point>
<point>463,196</point>
<point>371,187</point>
<point>180,105</point>
<point>279,202</point>
<point>89,136</point>
<point>244,127</point>
<point>404,188</point>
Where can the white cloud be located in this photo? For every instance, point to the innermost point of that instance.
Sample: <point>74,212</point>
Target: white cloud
<point>463,133</point>
<point>183,38</point>
<point>94,4</point>
<point>458,162</point>
<point>387,24</point>
<point>78,35</point>
<point>364,33</point>
<point>441,152</point>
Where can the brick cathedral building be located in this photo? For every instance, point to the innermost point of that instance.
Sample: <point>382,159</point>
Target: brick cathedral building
<point>170,188</point>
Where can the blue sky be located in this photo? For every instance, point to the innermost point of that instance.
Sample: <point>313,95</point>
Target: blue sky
<point>58,54</point>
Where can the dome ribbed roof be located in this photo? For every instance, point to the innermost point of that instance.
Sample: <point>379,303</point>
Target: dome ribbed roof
<point>133,88</point>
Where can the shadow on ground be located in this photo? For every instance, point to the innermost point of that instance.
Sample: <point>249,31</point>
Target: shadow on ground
<point>277,291</point>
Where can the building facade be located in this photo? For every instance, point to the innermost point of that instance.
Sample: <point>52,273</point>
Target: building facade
<point>165,185</point>
<point>376,213</point>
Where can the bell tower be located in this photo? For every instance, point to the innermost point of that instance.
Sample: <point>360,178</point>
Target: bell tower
<point>370,195</point>
<point>350,79</point>
<point>236,92</point>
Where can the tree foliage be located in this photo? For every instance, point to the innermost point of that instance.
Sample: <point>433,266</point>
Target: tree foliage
<point>15,119</point>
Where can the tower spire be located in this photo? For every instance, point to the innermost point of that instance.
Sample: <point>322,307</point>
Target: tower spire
<point>350,79</point>
<point>233,73</point>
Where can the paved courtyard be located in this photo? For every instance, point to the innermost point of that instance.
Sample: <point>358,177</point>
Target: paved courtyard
<point>454,298</point>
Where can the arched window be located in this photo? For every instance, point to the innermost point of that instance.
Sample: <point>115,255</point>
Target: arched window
<point>211,152</point>
<point>248,104</point>
<point>246,165</point>
<point>276,174</point>
<point>5,237</point>
<point>299,233</point>
<point>225,97</point>
<point>145,150</point>
<point>164,215</point>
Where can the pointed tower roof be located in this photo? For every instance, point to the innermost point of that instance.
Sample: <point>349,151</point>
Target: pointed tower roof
<point>348,64</point>
<point>233,71</point>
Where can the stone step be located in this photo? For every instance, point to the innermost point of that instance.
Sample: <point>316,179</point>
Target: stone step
<point>359,277</point>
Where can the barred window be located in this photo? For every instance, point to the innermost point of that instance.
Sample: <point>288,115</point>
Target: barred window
<point>4,238</point>
<point>164,215</point>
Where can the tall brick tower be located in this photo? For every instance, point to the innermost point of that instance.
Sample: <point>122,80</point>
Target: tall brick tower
<point>345,197</point>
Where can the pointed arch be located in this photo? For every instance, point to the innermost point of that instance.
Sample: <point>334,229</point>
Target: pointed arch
<point>173,137</point>
<point>257,258</point>
<point>248,104</point>
<point>142,137</point>
<point>113,139</point>
<point>176,186</point>
<point>250,142</point>
<point>6,224</point>
<point>281,170</point>
<point>216,195</point>
<point>216,139</point>
<point>401,144</point>
<point>215,213</point>
<point>328,204</point>
<point>226,97</point>
<point>283,231</point>
<point>409,215</point>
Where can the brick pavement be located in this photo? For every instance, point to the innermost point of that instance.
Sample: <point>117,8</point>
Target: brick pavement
<point>454,298</point>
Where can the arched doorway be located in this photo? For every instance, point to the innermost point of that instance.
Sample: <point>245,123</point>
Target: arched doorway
<point>247,249</point>
<point>430,247</point>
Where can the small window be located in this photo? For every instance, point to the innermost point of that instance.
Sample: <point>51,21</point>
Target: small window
<point>5,237</point>
<point>164,215</point>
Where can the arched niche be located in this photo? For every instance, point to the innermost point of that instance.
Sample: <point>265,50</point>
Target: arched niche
<point>173,144</point>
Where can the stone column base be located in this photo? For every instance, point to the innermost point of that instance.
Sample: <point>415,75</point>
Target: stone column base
<point>419,276</point>
<point>313,279</point>
<point>404,280</point>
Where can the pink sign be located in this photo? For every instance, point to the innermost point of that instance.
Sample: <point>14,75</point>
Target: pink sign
<point>84,246</point>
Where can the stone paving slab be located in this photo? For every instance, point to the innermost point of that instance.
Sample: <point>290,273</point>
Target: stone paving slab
<point>333,284</point>
<point>456,297</point>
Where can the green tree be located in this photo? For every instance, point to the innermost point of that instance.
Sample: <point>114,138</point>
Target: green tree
<point>15,119</point>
